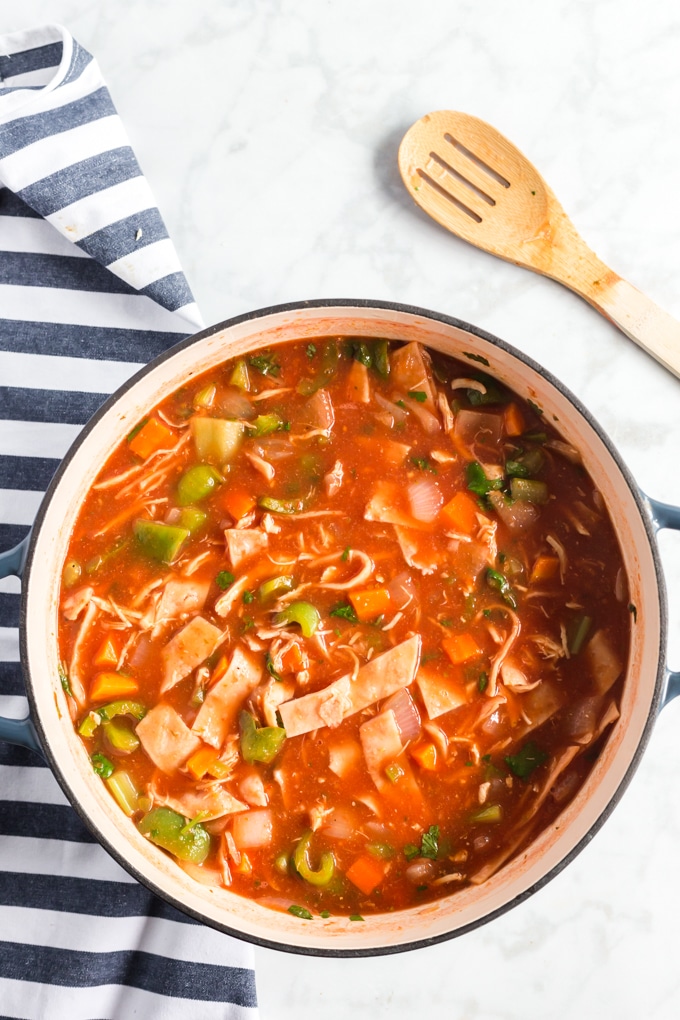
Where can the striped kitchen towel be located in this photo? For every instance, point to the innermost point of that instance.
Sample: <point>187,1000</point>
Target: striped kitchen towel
<point>90,288</point>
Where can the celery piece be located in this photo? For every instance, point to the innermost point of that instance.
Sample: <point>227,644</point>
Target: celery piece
<point>197,483</point>
<point>122,707</point>
<point>302,613</point>
<point>121,737</point>
<point>102,766</point>
<point>264,424</point>
<point>319,876</point>
<point>88,726</point>
<point>528,490</point>
<point>394,772</point>
<point>191,518</point>
<point>216,439</point>
<point>240,376</point>
<point>124,790</point>
<point>383,851</point>
<point>169,830</point>
<point>491,813</point>
<point>162,542</point>
<point>281,506</point>
<point>276,586</point>
<point>259,743</point>
<point>206,396</point>
<point>578,632</point>
<point>330,361</point>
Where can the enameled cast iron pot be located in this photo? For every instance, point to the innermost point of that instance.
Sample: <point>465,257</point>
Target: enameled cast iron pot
<point>648,685</point>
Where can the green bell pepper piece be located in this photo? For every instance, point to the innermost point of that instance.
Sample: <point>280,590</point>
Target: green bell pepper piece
<point>323,874</point>
<point>172,832</point>
<point>162,542</point>
<point>330,361</point>
<point>259,743</point>
<point>197,483</point>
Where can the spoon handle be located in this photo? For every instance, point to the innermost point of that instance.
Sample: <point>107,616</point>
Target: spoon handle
<point>566,258</point>
<point>636,315</point>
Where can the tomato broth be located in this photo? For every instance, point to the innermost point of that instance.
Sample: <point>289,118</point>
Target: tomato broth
<point>343,625</point>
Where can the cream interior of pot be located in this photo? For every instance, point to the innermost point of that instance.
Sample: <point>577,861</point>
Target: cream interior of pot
<point>219,907</point>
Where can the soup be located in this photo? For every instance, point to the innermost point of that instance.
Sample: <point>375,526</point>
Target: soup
<point>343,625</point>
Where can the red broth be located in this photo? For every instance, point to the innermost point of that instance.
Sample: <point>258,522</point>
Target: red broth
<point>343,625</point>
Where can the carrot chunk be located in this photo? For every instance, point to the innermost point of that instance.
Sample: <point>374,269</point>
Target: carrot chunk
<point>425,754</point>
<point>219,670</point>
<point>544,568</point>
<point>107,654</point>
<point>152,436</point>
<point>461,648</point>
<point>107,685</point>
<point>238,502</point>
<point>460,513</point>
<point>206,761</point>
<point>514,422</point>
<point>366,874</point>
<point>370,603</point>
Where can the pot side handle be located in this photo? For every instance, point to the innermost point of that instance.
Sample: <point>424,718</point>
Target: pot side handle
<point>17,731</point>
<point>665,515</point>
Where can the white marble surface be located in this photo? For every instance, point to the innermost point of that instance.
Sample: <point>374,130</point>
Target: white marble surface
<point>268,132</point>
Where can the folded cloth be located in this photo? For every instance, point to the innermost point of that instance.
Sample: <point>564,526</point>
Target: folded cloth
<point>90,287</point>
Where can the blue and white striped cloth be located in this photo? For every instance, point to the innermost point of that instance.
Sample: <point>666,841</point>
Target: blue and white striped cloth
<point>90,288</point>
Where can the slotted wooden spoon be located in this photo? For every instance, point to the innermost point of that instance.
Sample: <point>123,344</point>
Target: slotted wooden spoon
<point>474,182</point>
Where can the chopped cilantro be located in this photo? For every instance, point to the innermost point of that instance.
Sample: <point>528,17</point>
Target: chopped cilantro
<point>64,680</point>
<point>500,582</point>
<point>534,407</point>
<point>270,668</point>
<point>423,464</point>
<point>345,555</point>
<point>248,624</point>
<point>526,760</point>
<point>224,579</point>
<point>299,912</point>
<point>478,482</point>
<point>411,851</point>
<point>418,395</point>
<point>324,913</point>
<point>248,597</point>
<point>345,611</point>
<point>482,682</point>
<point>400,403</point>
<point>136,429</point>
<point>446,621</point>
<point>265,363</point>
<point>355,917</point>
<point>430,843</point>
<point>311,350</point>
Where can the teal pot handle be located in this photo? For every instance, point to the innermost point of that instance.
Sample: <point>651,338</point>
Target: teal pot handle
<point>17,731</point>
<point>665,515</point>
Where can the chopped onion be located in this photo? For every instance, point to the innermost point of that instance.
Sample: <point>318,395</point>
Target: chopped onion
<point>403,592</point>
<point>339,825</point>
<point>425,499</point>
<point>319,411</point>
<point>253,828</point>
<point>429,421</point>
<point>274,447</point>
<point>234,404</point>
<point>398,413</point>
<point>517,516</point>
<point>406,715</point>
<point>565,450</point>
<point>480,428</point>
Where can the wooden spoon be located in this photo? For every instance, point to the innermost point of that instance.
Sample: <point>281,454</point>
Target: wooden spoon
<point>470,179</point>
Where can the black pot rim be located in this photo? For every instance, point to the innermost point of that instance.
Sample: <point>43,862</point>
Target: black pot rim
<point>638,498</point>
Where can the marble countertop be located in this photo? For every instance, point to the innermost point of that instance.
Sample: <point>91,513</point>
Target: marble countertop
<point>268,133</point>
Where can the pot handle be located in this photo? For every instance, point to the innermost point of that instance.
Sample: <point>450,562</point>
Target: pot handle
<point>17,731</point>
<point>665,515</point>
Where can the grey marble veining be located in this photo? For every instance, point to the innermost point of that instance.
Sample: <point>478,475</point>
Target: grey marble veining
<point>268,132</point>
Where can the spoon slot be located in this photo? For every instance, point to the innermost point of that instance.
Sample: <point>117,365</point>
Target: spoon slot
<point>463,180</point>
<point>476,160</point>
<point>448,196</point>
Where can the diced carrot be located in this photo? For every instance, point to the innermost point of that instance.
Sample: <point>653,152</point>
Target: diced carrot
<point>108,653</point>
<point>425,754</point>
<point>199,763</point>
<point>292,660</point>
<point>514,422</point>
<point>544,568</point>
<point>461,513</point>
<point>370,603</point>
<point>206,761</point>
<point>152,436</point>
<point>108,685</point>
<point>219,670</point>
<point>366,873</point>
<point>461,648</point>
<point>238,502</point>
